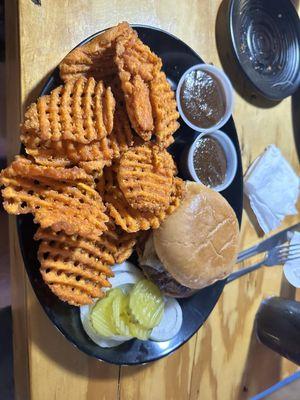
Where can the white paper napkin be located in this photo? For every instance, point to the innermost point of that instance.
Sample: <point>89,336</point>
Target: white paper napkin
<point>291,269</point>
<point>272,187</point>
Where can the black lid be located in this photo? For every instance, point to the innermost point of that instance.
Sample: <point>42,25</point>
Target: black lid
<point>266,41</point>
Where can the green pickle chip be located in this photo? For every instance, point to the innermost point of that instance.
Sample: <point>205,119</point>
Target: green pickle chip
<point>101,315</point>
<point>132,315</point>
<point>146,304</point>
<point>120,314</point>
<point>139,331</point>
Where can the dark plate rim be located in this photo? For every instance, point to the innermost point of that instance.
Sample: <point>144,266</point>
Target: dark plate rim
<point>220,284</point>
<point>236,53</point>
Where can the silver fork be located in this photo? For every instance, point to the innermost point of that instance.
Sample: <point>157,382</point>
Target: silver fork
<point>279,255</point>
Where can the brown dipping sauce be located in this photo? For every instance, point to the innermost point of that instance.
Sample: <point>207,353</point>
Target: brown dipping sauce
<point>202,99</point>
<point>210,161</point>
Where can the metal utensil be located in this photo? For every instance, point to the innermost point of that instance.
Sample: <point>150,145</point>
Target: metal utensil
<point>278,255</point>
<point>268,244</point>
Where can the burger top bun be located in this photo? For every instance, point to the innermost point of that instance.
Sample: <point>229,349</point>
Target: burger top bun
<point>198,243</point>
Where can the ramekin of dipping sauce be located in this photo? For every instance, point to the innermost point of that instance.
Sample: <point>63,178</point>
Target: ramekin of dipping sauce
<point>204,98</point>
<point>212,160</point>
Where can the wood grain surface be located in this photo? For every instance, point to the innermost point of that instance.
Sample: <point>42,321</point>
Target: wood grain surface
<point>224,360</point>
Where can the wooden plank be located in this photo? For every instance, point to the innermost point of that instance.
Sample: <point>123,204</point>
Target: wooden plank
<point>18,276</point>
<point>169,378</point>
<point>224,360</point>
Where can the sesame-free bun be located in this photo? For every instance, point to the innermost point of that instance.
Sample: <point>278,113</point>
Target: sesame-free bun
<point>198,243</point>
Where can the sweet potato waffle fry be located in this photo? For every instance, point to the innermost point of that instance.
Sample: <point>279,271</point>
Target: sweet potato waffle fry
<point>132,220</point>
<point>165,114</point>
<point>107,182</point>
<point>80,111</point>
<point>70,266</point>
<point>90,157</point>
<point>95,58</point>
<point>121,137</point>
<point>117,243</point>
<point>71,206</point>
<point>137,66</point>
<point>145,176</point>
<point>75,268</point>
<point>71,126</point>
<point>129,219</point>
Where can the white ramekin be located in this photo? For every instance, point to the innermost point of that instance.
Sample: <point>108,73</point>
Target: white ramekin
<point>230,153</point>
<point>228,93</point>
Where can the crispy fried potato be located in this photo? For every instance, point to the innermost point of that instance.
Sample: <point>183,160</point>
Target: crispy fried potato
<point>165,114</point>
<point>145,176</point>
<point>73,272</point>
<point>92,156</point>
<point>95,58</point>
<point>71,126</point>
<point>75,268</point>
<point>117,243</point>
<point>71,206</point>
<point>132,220</point>
<point>137,66</point>
<point>107,181</point>
<point>122,136</point>
<point>129,219</point>
<point>80,111</point>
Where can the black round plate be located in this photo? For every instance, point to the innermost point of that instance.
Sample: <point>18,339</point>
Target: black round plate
<point>177,57</point>
<point>266,42</point>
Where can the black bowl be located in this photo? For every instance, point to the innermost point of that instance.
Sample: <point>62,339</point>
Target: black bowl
<point>177,57</point>
<point>266,42</point>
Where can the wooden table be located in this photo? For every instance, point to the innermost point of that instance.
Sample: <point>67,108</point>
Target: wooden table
<point>224,360</point>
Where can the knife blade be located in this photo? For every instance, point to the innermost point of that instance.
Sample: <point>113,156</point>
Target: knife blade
<point>267,244</point>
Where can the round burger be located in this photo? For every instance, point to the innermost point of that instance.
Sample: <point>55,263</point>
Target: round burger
<point>195,246</point>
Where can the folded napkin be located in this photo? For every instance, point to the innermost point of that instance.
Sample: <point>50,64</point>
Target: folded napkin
<point>272,187</point>
<point>291,268</point>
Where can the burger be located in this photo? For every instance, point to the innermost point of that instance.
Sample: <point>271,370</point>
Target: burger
<point>195,246</point>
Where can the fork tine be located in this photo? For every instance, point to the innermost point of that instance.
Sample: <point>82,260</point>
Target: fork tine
<point>283,258</point>
<point>294,253</point>
<point>286,245</point>
<point>292,259</point>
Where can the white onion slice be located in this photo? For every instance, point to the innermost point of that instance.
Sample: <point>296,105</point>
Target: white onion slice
<point>126,266</point>
<point>125,278</point>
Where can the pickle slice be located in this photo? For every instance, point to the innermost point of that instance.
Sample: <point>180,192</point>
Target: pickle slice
<point>121,315</point>
<point>139,331</point>
<point>146,304</point>
<point>101,315</point>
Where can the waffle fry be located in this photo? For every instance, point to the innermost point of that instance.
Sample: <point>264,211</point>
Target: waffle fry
<point>91,157</point>
<point>177,194</point>
<point>71,267</point>
<point>95,58</point>
<point>145,176</point>
<point>129,219</point>
<point>113,246</point>
<point>80,111</point>
<point>164,110</point>
<point>76,269</point>
<point>117,243</point>
<point>107,181</point>
<point>24,167</point>
<point>121,137</point>
<point>137,66</point>
<point>73,207</point>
